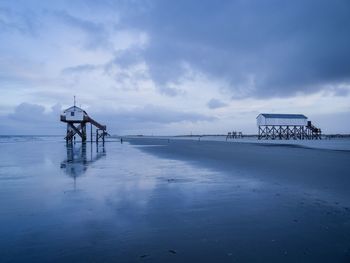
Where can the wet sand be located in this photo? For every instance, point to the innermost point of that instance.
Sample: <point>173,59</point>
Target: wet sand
<point>180,201</point>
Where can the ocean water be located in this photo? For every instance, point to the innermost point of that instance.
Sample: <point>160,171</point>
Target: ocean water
<point>148,201</point>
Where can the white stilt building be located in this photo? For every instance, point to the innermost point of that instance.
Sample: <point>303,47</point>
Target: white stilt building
<point>77,119</point>
<point>286,126</point>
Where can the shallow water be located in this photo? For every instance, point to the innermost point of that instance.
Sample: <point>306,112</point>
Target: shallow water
<point>134,203</point>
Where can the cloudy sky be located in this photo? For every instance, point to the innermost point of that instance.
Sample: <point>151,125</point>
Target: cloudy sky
<point>173,67</point>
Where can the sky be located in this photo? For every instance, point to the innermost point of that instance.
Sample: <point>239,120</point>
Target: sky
<point>173,67</point>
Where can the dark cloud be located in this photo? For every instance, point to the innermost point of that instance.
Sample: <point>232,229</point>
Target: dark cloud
<point>171,92</point>
<point>261,48</point>
<point>28,112</point>
<point>84,68</point>
<point>97,36</point>
<point>151,114</point>
<point>215,104</point>
<point>13,20</point>
<point>30,118</point>
<point>126,59</point>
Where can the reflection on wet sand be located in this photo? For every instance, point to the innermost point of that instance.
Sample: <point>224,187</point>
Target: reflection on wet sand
<point>183,201</point>
<point>78,159</point>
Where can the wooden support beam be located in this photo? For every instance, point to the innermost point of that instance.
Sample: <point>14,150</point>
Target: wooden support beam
<point>81,129</point>
<point>90,132</point>
<point>76,129</point>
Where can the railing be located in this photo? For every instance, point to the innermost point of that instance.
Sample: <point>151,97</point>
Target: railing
<point>98,125</point>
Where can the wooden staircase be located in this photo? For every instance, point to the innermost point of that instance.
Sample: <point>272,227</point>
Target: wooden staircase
<point>313,131</point>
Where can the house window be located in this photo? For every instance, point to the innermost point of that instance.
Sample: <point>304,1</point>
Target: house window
<point>72,113</point>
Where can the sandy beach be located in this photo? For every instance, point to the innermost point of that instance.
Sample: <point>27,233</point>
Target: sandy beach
<point>323,170</point>
<point>294,191</point>
<point>160,200</point>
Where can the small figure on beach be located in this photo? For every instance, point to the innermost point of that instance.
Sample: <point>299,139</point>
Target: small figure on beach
<point>121,140</point>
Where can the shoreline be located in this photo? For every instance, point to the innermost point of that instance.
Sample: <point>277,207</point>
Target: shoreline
<point>339,144</point>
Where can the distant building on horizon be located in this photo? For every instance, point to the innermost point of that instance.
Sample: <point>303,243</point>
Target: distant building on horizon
<point>286,126</point>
